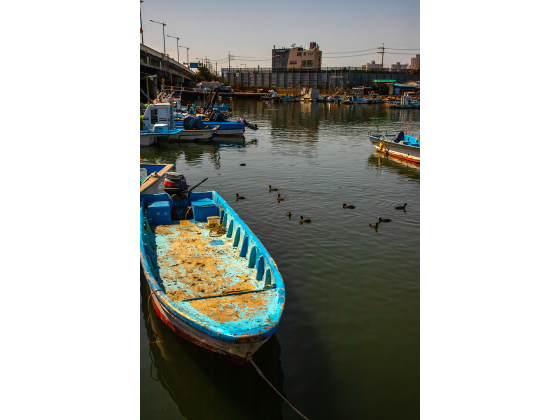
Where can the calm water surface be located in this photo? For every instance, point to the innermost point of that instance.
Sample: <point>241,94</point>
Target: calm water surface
<point>348,345</point>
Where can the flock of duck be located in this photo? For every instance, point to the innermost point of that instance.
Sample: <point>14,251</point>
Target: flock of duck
<point>344,206</point>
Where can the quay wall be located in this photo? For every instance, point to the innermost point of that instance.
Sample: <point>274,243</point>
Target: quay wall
<point>320,79</point>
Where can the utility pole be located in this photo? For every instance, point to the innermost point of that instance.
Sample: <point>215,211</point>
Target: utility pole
<point>382,54</point>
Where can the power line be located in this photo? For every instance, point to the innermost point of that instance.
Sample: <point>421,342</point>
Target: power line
<point>371,49</point>
<point>344,56</point>
<point>350,52</point>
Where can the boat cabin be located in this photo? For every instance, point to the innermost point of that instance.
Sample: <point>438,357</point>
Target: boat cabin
<point>406,99</point>
<point>161,113</point>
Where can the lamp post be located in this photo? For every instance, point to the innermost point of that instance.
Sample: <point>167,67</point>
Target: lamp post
<point>163,26</point>
<point>186,48</point>
<point>177,46</point>
<point>141,30</point>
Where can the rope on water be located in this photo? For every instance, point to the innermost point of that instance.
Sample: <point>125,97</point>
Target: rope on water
<point>250,359</point>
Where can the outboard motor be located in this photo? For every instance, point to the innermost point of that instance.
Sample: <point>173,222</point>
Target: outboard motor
<point>247,124</point>
<point>174,183</point>
<point>217,117</point>
<point>398,137</point>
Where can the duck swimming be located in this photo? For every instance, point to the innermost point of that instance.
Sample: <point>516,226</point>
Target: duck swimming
<point>383,220</point>
<point>239,197</point>
<point>374,225</point>
<point>270,189</point>
<point>242,164</point>
<point>302,220</point>
<point>401,207</point>
<point>279,198</point>
<point>348,206</point>
<point>289,214</point>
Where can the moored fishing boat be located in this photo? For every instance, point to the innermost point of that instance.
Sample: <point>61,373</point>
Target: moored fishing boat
<point>158,123</point>
<point>406,102</point>
<point>213,284</point>
<point>151,176</point>
<point>399,145</point>
<point>291,98</point>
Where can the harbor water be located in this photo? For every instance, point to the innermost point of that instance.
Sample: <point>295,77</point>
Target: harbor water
<point>348,345</point>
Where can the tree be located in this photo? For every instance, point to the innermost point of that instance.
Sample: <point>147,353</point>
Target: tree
<point>205,74</point>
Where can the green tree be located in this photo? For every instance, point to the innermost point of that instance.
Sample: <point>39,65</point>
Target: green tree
<point>205,74</point>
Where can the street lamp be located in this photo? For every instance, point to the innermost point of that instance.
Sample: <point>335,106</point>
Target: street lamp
<point>177,46</point>
<point>186,48</point>
<point>163,26</point>
<point>141,30</point>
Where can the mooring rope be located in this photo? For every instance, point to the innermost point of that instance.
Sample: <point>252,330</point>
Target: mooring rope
<point>250,359</point>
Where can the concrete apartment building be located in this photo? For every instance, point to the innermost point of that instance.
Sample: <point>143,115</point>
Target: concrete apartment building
<point>415,62</point>
<point>371,66</point>
<point>399,66</point>
<point>297,57</point>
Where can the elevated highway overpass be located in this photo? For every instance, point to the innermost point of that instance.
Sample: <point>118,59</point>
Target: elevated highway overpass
<point>166,69</point>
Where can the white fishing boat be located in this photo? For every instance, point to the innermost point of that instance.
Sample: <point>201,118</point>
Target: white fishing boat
<point>159,124</point>
<point>399,145</point>
<point>406,102</point>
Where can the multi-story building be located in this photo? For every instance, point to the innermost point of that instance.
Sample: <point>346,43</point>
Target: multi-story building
<point>297,57</point>
<point>280,57</point>
<point>399,66</point>
<point>415,62</point>
<point>371,66</point>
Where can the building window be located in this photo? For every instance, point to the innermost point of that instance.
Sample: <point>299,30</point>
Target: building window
<point>298,53</point>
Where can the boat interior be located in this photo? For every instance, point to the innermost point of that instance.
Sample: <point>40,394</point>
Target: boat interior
<point>404,139</point>
<point>208,262</point>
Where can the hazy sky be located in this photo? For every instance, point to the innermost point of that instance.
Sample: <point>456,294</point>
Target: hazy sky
<point>251,28</point>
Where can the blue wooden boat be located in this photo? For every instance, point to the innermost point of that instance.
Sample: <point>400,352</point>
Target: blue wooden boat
<point>224,292</point>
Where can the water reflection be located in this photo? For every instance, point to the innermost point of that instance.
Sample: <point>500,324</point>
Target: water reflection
<point>193,153</point>
<point>379,161</point>
<point>205,386</point>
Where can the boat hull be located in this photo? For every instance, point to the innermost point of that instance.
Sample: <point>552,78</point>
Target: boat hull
<point>235,352</point>
<point>227,128</point>
<point>191,135</point>
<point>403,151</point>
<point>147,139</point>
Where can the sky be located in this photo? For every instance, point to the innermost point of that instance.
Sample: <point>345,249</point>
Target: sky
<point>251,28</point>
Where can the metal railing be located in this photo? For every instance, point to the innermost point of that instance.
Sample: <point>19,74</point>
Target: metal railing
<point>316,70</point>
